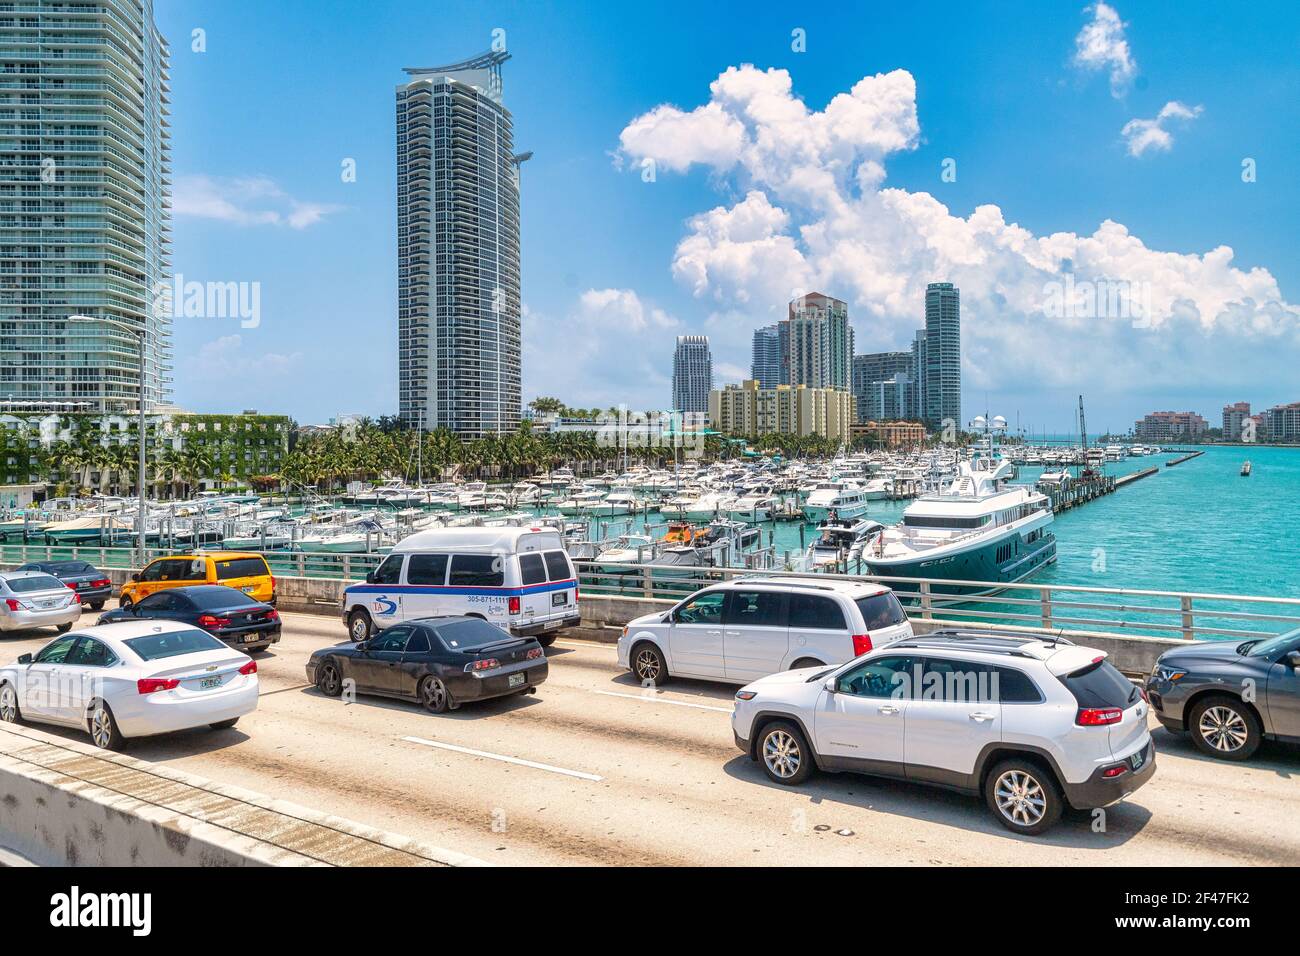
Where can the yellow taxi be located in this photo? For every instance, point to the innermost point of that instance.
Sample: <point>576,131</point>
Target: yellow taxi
<point>244,570</point>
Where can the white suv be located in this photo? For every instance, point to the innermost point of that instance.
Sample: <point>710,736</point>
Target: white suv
<point>1032,724</point>
<point>751,627</point>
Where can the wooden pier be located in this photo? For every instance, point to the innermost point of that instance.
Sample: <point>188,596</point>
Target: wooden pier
<point>1188,457</point>
<point>1081,492</point>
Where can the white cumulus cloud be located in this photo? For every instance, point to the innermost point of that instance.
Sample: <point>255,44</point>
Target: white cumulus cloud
<point>245,201</point>
<point>1102,45</point>
<point>816,214</point>
<point>1141,135</point>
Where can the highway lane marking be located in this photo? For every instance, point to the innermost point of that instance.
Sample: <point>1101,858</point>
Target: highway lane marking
<point>504,759</point>
<point>663,700</point>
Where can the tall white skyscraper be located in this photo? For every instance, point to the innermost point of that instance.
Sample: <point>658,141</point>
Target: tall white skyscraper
<point>84,203</point>
<point>692,374</point>
<point>821,342</point>
<point>458,314</point>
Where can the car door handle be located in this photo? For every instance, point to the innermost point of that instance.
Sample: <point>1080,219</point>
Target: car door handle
<point>980,716</point>
<point>888,709</point>
<point>713,633</point>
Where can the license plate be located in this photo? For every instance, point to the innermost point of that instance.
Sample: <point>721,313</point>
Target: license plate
<point>251,638</point>
<point>1139,759</point>
<point>514,680</point>
<point>249,589</point>
<point>559,598</point>
<point>208,683</point>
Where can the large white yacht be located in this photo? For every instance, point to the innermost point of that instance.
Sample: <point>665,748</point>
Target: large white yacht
<point>835,499</point>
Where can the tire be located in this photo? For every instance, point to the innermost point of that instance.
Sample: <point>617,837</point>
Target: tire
<point>10,712</point>
<point>64,628</point>
<point>360,627</point>
<point>546,640</point>
<point>805,662</point>
<point>224,724</point>
<point>784,754</point>
<point>102,727</point>
<point>97,605</point>
<point>1023,796</point>
<point>434,695</point>
<point>648,665</point>
<point>329,679</point>
<point>1224,728</point>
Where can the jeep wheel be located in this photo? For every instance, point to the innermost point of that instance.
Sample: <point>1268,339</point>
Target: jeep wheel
<point>784,753</point>
<point>1023,796</point>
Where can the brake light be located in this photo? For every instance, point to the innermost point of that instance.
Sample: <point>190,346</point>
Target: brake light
<point>514,604</point>
<point>209,621</point>
<point>249,668</point>
<point>1116,771</point>
<point>273,615</point>
<point>13,604</point>
<point>103,583</point>
<point>272,577</point>
<point>861,644</point>
<point>70,584</point>
<point>1098,716</point>
<point>486,664</point>
<point>534,653</point>
<point>151,685</point>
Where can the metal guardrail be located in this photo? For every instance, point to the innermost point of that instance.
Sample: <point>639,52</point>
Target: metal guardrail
<point>1189,615</point>
<point>1178,614</point>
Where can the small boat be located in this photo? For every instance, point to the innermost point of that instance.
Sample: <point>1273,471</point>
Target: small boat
<point>841,542</point>
<point>1245,469</point>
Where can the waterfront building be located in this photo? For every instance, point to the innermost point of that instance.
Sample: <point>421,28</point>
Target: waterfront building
<point>84,187</point>
<point>886,434</point>
<point>821,342</point>
<point>1282,423</point>
<point>942,382</point>
<point>458,315</point>
<point>870,373</point>
<point>1235,417</point>
<point>1169,426</point>
<point>749,409</point>
<point>768,365</point>
<point>692,374</point>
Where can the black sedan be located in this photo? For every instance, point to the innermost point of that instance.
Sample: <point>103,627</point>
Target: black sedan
<point>92,585</point>
<point>442,662</point>
<point>1230,695</point>
<point>225,613</point>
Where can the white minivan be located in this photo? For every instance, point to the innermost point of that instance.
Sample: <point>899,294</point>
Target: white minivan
<point>751,627</point>
<point>520,579</point>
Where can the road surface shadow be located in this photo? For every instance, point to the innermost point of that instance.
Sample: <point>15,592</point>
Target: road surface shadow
<point>1274,756</point>
<point>469,710</point>
<point>931,804</point>
<point>180,743</point>
<point>704,690</point>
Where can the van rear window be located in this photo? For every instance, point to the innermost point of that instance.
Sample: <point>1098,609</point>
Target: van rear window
<point>1100,685</point>
<point>532,569</point>
<point>557,565</point>
<point>477,571</point>
<point>881,610</point>
<point>241,568</point>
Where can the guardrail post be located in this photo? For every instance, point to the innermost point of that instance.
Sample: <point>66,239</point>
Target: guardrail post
<point>1045,601</point>
<point>647,582</point>
<point>302,564</point>
<point>1189,624</point>
<point>347,567</point>
<point>925,601</point>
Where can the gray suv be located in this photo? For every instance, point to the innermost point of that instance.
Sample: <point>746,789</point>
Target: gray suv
<point>1230,695</point>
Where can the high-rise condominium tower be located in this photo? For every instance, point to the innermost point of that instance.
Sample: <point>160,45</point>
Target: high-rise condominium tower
<point>458,318</point>
<point>942,381</point>
<point>821,342</point>
<point>767,366</point>
<point>85,223</point>
<point>692,374</point>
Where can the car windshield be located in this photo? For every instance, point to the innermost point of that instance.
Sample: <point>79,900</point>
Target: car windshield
<point>1265,647</point>
<point>469,633</point>
<point>172,644</point>
<point>37,582</point>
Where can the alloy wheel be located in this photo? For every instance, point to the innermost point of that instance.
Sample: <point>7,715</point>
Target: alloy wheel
<point>101,727</point>
<point>329,680</point>
<point>647,665</point>
<point>1020,798</point>
<point>781,754</point>
<point>435,694</point>
<point>8,704</point>
<point>1223,729</point>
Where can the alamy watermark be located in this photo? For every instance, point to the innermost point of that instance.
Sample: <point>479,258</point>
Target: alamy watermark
<point>175,298</point>
<point>1102,298</point>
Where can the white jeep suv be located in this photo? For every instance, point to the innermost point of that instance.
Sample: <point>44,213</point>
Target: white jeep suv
<point>751,627</point>
<point>1031,724</point>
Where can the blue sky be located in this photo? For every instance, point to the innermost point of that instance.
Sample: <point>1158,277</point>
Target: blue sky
<point>613,268</point>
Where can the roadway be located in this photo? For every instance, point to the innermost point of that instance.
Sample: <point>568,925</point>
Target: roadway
<point>595,770</point>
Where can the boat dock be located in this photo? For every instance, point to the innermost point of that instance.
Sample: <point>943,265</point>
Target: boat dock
<point>1081,492</point>
<point>1188,457</point>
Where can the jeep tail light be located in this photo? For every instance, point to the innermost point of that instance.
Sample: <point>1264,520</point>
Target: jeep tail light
<point>861,644</point>
<point>1118,770</point>
<point>1098,716</point>
<point>249,668</point>
<point>514,604</point>
<point>151,685</point>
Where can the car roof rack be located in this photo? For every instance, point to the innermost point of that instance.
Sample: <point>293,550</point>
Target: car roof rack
<point>796,582</point>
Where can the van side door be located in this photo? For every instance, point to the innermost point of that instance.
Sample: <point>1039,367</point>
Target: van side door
<point>755,638</point>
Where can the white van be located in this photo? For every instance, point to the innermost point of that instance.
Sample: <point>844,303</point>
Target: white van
<point>520,579</point>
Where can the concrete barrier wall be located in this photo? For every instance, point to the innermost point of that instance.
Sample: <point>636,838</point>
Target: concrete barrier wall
<point>63,803</point>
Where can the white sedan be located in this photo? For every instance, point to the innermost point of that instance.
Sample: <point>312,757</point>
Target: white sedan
<point>133,679</point>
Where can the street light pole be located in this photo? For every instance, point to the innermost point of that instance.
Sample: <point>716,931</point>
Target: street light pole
<point>140,334</point>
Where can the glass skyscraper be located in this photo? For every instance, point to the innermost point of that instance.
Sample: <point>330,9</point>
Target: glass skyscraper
<point>458,250</point>
<point>692,374</point>
<point>942,382</point>
<point>84,204</point>
<point>821,342</point>
<point>768,362</point>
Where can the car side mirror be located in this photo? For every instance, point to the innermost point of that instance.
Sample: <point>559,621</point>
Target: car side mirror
<point>370,577</point>
<point>1293,659</point>
<point>24,658</point>
<point>136,576</point>
<point>363,645</point>
<point>831,686</point>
